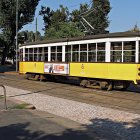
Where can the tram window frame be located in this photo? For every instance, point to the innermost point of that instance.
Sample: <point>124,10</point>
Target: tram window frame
<point>92,52</point>
<point>116,52</point>
<point>30,54</point>
<point>83,52</point>
<point>21,54</point>
<point>35,54</point>
<point>129,51</point>
<point>45,54</point>
<point>40,56</point>
<point>101,52</point>
<point>68,53</point>
<point>56,53</point>
<point>26,54</point>
<point>75,53</point>
<point>59,54</point>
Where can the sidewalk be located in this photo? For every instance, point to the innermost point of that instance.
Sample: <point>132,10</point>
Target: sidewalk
<point>35,125</point>
<point>19,124</point>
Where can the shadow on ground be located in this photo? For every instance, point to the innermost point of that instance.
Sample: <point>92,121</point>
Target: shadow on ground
<point>100,129</point>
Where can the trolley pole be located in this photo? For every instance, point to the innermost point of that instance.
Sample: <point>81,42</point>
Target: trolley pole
<point>16,35</point>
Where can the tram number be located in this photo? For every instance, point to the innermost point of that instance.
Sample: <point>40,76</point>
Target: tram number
<point>82,66</point>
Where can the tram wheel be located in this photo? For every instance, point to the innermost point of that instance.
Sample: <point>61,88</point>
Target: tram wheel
<point>103,85</point>
<point>84,83</point>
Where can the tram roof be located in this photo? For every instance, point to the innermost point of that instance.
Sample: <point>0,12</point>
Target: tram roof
<point>100,36</point>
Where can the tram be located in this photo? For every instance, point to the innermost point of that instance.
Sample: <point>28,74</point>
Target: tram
<point>100,61</point>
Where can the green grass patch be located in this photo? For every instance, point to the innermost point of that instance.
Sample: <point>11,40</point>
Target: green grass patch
<point>1,96</point>
<point>20,106</point>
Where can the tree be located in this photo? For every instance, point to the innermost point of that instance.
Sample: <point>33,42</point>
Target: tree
<point>100,18</point>
<point>63,30</point>
<point>96,15</point>
<point>58,23</point>
<point>135,28</point>
<point>29,36</point>
<point>8,20</point>
<point>76,16</point>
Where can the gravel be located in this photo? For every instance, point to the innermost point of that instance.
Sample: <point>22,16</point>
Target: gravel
<point>94,116</point>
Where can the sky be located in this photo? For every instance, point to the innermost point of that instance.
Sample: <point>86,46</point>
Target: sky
<point>123,15</point>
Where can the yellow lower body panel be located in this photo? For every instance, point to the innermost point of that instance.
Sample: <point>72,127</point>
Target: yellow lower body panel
<point>31,67</point>
<point>114,71</point>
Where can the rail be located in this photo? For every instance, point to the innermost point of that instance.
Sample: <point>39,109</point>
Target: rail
<point>5,101</point>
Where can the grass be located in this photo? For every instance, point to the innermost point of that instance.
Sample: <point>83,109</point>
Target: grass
<point>1,96</point>
<point>20,106</point>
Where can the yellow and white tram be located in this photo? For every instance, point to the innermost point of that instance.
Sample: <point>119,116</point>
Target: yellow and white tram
<point>100,61</point>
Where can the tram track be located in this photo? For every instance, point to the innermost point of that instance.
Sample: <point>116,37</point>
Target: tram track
<point>126,100</point>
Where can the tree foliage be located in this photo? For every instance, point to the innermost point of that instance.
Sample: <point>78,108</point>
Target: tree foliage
<point>96,15</point>
<point>29,36</point>
<point>26,9</point>
<point>62,30</point>
<point>61,23</point>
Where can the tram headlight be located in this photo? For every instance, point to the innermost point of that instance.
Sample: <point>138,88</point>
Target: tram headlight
<point>139,73</point>
<point>139,69</point>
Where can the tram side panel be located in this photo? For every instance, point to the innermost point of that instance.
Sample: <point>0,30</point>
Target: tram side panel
<point>112,71</point>
<point>31,67</point>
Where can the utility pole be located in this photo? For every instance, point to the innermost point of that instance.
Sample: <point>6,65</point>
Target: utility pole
<point>36,30</point>
<point>16,35</point>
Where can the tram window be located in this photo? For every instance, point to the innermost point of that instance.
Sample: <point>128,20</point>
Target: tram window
<point>35,57</point>
<point>39,57</point>
<point>40,54</point>
<point>53,53</point>
<point>116,56</point>
<point>21,54</point>
<point>59,57</point>
<point>75,53</point>
<point>101,56</point>
<point>53,56</point>
<point>75,56</point>
<point>129,51</point>
<point>68,53</point>
<point>46,54</point>
<point>100,52</point>
<point>30,54</point>
<point>59,49</point>
<point>59,54</point>
<point>92,52</point>
<point>26,57</point>
<point>83,56</point>
<point>35,50</point>
<point>30,57</point>
<point>68,57</point>
<point>116,51</point>
<point>46,57</point>
<point>53,49</point>
<point>83,53</point>
<point>46,49</point>
<point>40,50</point>
<point>26,51</point>
<point>92,56</point>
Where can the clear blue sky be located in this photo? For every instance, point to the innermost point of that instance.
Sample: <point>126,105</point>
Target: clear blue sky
<point>123,15</point>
